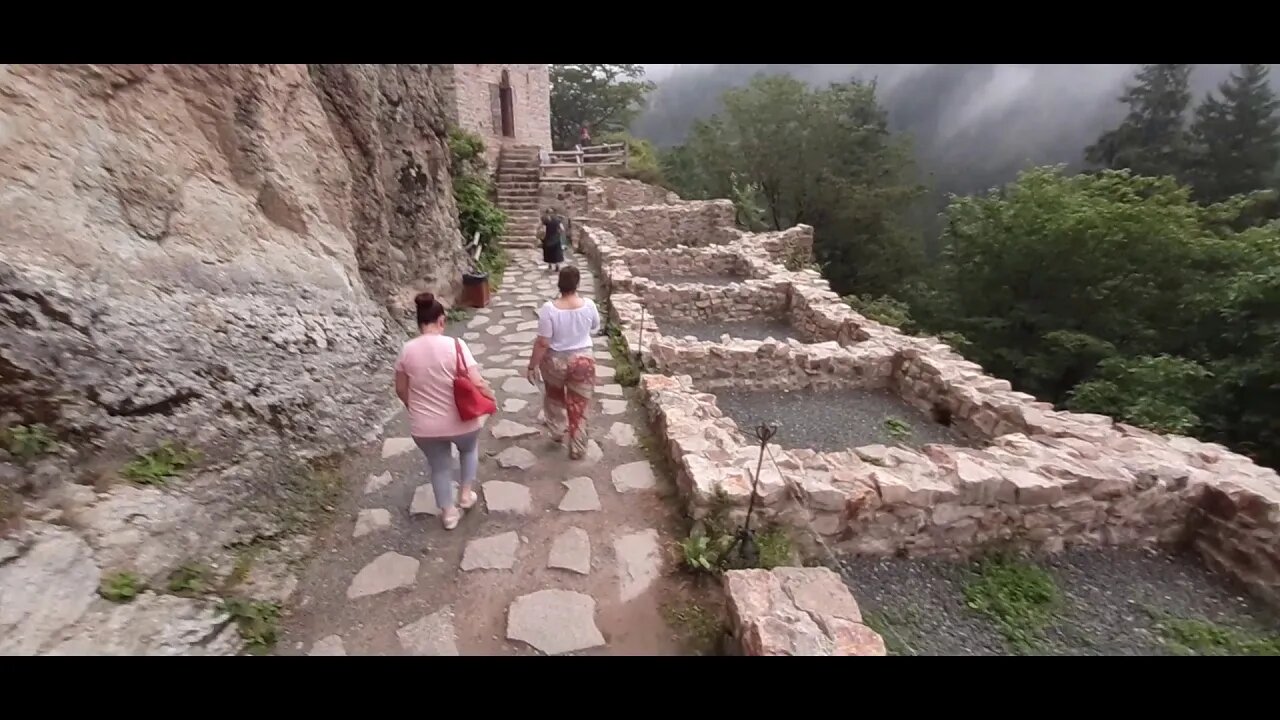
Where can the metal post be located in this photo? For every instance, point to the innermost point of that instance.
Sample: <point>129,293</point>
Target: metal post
<point>640,340</point>
<point>745,541</point>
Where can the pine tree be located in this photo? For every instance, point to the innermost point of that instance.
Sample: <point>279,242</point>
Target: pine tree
<point>1237,137</point>
<point>1152,139</point>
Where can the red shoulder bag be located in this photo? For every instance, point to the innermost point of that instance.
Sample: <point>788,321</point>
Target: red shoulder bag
<point>470,401</point>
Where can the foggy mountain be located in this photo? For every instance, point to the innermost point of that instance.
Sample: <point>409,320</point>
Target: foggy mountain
<point>972,126</point>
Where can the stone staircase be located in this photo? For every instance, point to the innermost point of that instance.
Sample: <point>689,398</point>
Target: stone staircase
<point>518,194</point>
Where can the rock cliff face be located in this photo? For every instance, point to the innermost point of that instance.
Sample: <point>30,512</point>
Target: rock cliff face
<point>205,254</point>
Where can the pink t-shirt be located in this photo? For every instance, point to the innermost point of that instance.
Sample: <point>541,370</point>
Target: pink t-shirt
<point>429,361</point>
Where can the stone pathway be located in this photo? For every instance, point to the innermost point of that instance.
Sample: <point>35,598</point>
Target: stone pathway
<point>558,556</point>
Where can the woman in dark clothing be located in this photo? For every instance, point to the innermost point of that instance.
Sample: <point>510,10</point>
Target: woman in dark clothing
<point>552,240</point>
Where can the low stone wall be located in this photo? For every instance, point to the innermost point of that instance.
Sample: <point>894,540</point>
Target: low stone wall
<point>695,223</point>
<point>609,193</point>
<point>1040,477</point>
<point>797,611</point>
<point>568,199</point>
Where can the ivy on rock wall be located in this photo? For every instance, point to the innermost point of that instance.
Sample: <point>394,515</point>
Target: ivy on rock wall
<point>474,195</point>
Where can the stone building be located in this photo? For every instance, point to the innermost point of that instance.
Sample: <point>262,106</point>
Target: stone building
<point>503,104</point>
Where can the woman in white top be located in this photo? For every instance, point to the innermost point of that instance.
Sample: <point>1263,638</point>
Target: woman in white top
<point>562,356</point>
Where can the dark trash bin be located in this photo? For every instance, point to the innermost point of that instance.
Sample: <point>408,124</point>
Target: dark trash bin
<point>475,289</point>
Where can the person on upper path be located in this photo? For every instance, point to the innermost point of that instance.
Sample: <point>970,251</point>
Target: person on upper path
<point>562,359</point>
<point>552,235</point>
<point>584,138</point>
<point>425,373</point>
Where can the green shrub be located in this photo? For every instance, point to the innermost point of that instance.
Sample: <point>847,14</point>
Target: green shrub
<point>121,587</point>
<point>28,441</point>
<point>883,309</point>
<point>257,621</point>
<point>157,466</point>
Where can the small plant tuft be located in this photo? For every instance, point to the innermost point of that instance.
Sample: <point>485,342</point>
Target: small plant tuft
<point>26,442</point>
<point>701,553</point>
<point>258,622</point>
<point>774,548</point>
<point>1020,596</point>
<point>157,466</point>
<point>191,579</point>
<point>897,428</point>
<point>1187,636</point>
<point>457,314</point>
<point>697,626</point>
<point>121,587</point>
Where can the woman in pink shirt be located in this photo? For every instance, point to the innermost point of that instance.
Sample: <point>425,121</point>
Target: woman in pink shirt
<point>424,381</point>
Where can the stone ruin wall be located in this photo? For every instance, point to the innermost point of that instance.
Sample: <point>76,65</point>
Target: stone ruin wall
<point>1039,477</point>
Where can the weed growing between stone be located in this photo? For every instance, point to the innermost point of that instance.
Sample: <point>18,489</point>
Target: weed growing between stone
<point>457,314</point>
<point>27,442</point>
<point>1193,636</point>
<point>626,371</point>
<point>709,548</point>
<point>121,587</point>
<point>257,621</point>
<point>191,579</point>
<point>1018,595</point>
<point>700,628</point>
<point>894,626</point>
<point>157,466</point>
<point>308,496</point>
<point>897,429</point>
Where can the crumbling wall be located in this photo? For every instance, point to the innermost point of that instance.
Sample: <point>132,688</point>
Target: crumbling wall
<point>1040,477</point>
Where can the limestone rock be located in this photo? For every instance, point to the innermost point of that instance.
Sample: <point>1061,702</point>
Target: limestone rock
<point>431,635</point>
<point>571,550</point>
<point>516,457</point>
<point>622,434</point>
<point>491,553</point>
<point>368,521</point>
<point>511,405</point>
<point>392,447</point>
<point>328,646</point>
<point>554,621</point>
<point>424,500</point>
<point>519,386</point>
<point>580,496</point>
<point>153,624</point>
<point>613,407</point>
<point>47,588</point>
<point>797,611</point>
<point>387,572</point>
<point>501,496</point>
<point>506,429</point>
<point>634,476</point>
<point>639,562</point>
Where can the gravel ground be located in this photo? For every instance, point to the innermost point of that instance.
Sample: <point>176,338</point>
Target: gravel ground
<point>833,419</point>
<point>698,279</point>
<point>1112,598</point>
<point>743,329</point>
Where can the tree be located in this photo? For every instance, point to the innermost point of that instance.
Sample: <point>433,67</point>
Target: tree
<point>605,98</point>
<point>1152,139</point>
<point>822,157</point>
<point>1237,137</point>
<point>1055,273</point>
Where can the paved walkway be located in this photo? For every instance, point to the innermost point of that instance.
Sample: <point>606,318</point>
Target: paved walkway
<point>558,557</point>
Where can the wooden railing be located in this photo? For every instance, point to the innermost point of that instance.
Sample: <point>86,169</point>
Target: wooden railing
<point>577,160</point>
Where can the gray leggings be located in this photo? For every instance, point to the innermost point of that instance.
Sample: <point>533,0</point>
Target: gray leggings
<point>440,462</point>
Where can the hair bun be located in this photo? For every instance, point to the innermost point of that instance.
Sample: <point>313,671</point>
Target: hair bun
<point>425,299</point>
